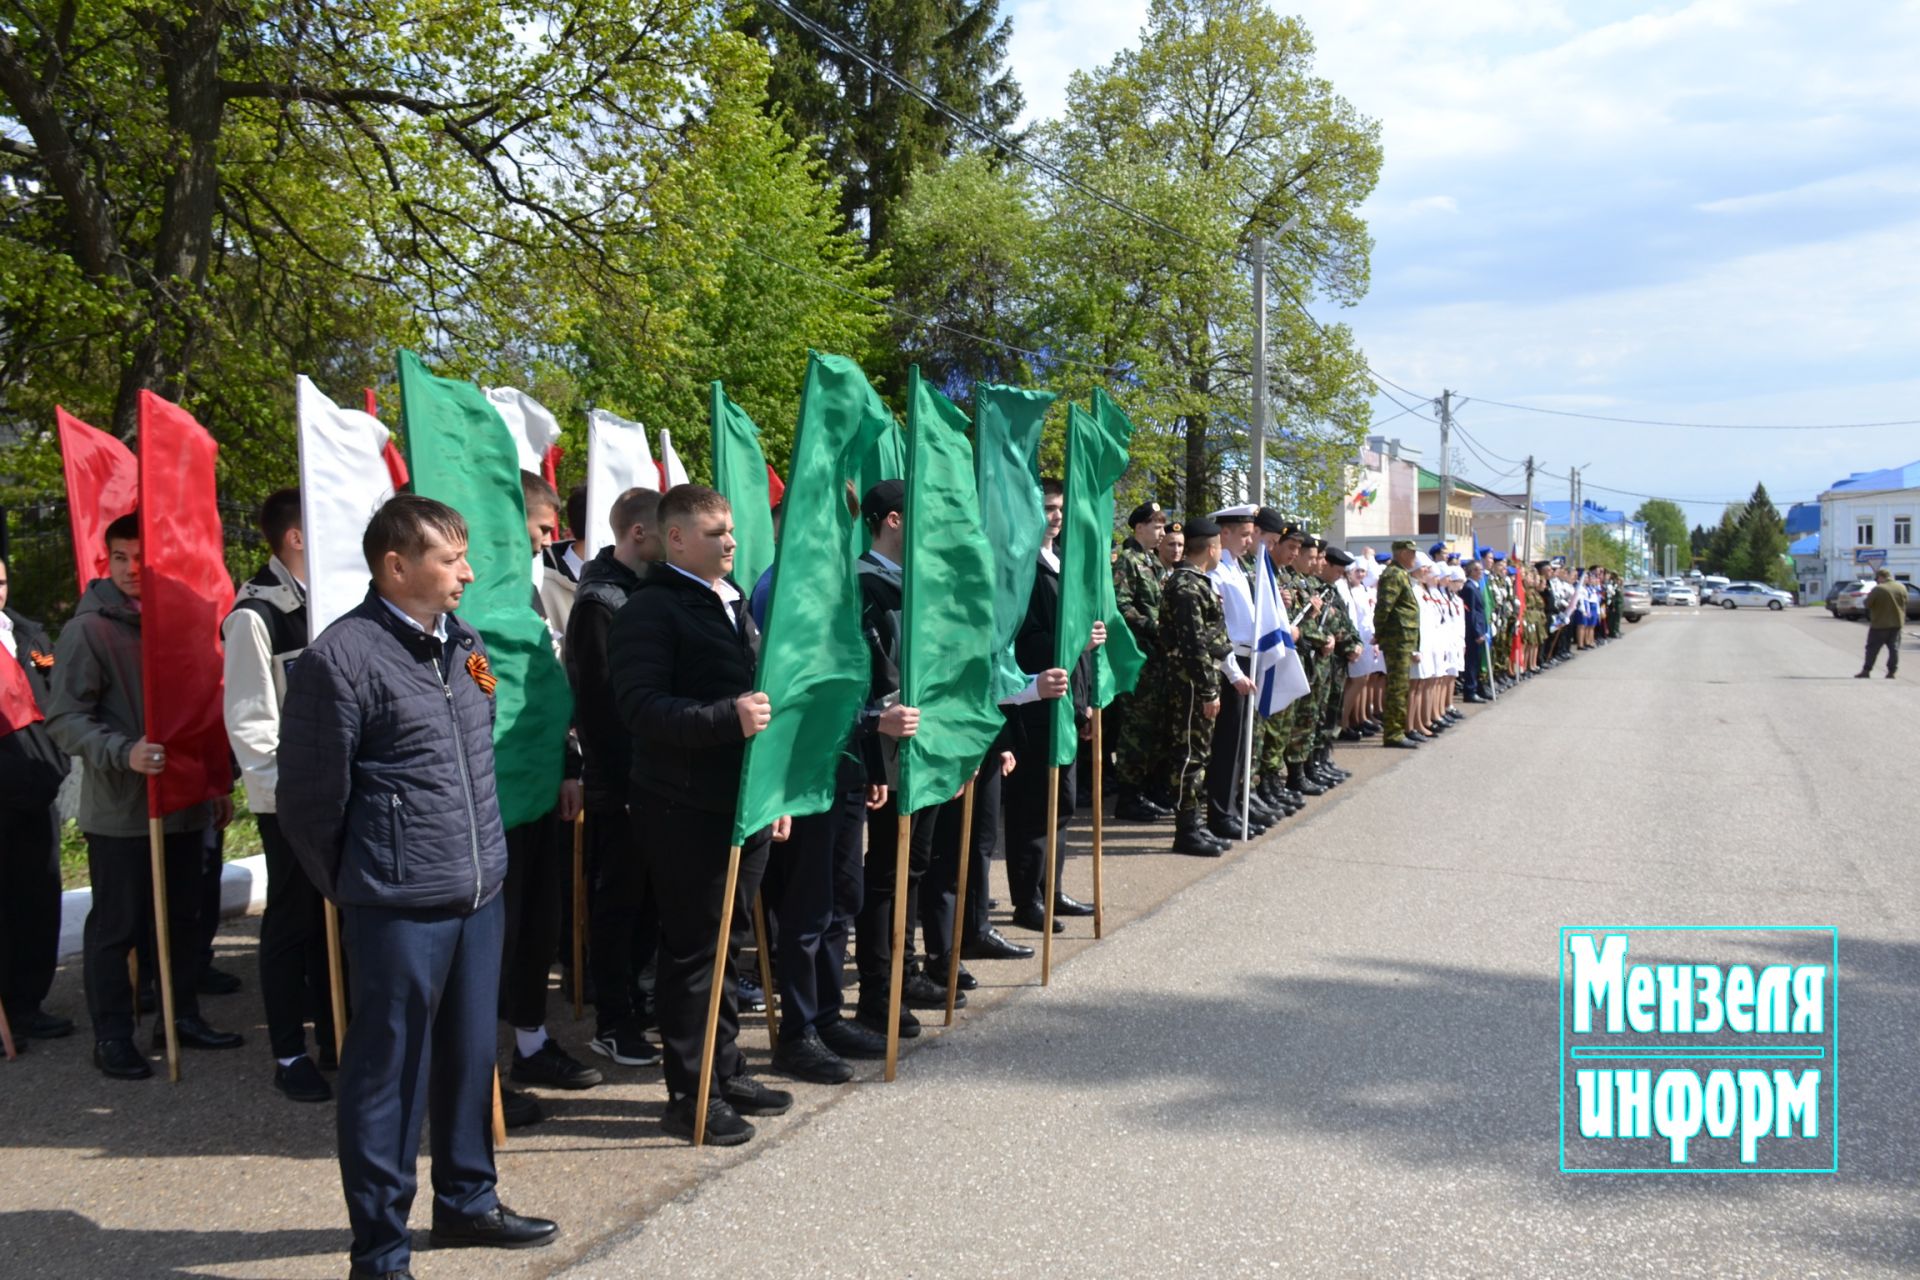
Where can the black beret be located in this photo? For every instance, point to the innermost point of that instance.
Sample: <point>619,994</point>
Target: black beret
<point>1143,513</point>
<point>1318,544</point>
<point>1201,527</point>
<point>1174,526</point>
<point>1338,557</point>
<point>884,499</point>
<point>1267,520</point>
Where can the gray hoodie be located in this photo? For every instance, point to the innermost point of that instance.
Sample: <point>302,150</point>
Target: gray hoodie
<point>96,712</point>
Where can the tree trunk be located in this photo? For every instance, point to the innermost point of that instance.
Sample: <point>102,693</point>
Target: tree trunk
<point>1196,463</point>
<point>190,53</point>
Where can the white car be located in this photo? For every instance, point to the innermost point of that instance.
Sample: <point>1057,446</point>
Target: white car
<point>1751,595</point>
<point>1683,595</point>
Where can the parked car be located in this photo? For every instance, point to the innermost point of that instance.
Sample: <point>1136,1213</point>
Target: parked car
<point>1683,596</point>
<point>1851,600</point>
<point>1658,592</point>
<point>1751,595</point>
<point>1833,591</point>
<point>1635,601</point>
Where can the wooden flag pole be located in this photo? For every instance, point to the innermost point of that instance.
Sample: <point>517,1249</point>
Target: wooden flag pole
<point>579,914</point>
<point>6,1036</point>
<point>898,974</point>
<point>766,967</point>
<point>960,896</point>
<point>1053,837</point>
<point>705,1088</point>
<point>162,940</point>
<point>336,980</point>
<point>499,1114</point>
<point>1099,827</point>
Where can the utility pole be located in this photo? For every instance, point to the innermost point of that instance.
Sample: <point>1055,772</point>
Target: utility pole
<point>1573,513</point>
<point>1257,431</point>
<point>1446,462</point>
<point>1526,530</point>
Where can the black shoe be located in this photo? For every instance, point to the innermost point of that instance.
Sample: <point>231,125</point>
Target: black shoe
<point>994,945</point>
<point>1035,919</point>
<point>918,991</point>
<point>194,1033</point>
<point>1065,906</point>
<point>875,1020</point>
<point>217,982</point>
<point>1351,735</point>
<point>1864,675</point>
<point>121,1060</point>
<point>301,1081</point>
<point>626,1044</point>
<point>1223,827</point>
<point>1138,809</point>
<point>751,1098</point>
<point>1889,675</point>
<point>1298,780</point>
<point>850,1039</point>
<point>1263,813</point>
<point>554,1067</point>
<point>1191,839</point>
<point>518,1110</point>
<point>358,1272</point>
<point>498,1228</point>
<point>41,1025</point>
<point>804,1056</point>
<point>1407,743</point>
<point>937,971</point>
<point>725,1127</point>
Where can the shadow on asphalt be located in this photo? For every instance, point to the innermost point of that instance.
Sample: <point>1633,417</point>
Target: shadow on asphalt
<point>88,1250</point>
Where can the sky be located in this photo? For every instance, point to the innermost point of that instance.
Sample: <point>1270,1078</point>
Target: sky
<point>1698,212</point>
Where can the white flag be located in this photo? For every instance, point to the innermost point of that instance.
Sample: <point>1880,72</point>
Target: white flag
<point>534,429</point>
<point>343,481</point>
<point>1278,677</point>
<point>671,472</point>
<point>617,460</point>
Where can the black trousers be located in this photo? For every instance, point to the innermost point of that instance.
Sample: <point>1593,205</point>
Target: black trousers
<point>29,908</point>
<point>122,913</point>
<point>813,890</point>
<point>623,922</point>
<point>293,949</point>
<point>536,882</point>
<point>873,924</point>
<point>943,871</point>
<point>420,1046</point>
<point>1887,638</point>
<point>214,862</point>
<point>1226,762</point>
<point>1473,679</point>
<point>686,853</point>
<point>1024,796</point>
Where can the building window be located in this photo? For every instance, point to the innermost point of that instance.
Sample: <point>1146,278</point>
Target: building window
<point>1863,533</point>
<point>1903,531</point>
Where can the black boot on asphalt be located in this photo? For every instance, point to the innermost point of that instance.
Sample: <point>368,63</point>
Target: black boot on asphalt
<point>805,1056</point>
<point>1190,838</point>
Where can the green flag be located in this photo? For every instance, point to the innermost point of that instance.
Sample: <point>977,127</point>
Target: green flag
<point>947,614</point>
<point>461,453</point>
<point>1122,656</point>
<point>884,458</point>
<point>1096,457</point>
<point>740,474</point>
<point>814,666</point>
<point>1006,431</point>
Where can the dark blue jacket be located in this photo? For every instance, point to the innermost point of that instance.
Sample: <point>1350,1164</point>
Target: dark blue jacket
<point>386,765</point>
<point>1475,596</point>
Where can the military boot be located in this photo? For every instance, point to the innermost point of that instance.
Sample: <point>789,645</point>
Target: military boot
<point>1227,826</point>
<point>1297,780</point>
<point>1192,839</point>
<point>1326,760</point>
<point>1275,792</point>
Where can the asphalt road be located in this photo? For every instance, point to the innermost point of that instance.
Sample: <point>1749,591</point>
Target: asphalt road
<point>1339,1055</point>
<point>1335,1053</point>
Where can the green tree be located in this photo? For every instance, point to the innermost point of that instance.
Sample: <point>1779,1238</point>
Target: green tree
<point>1666,527</point>
<point>1759,552</point>
<point>872,133</point>
<point>1721,554</point>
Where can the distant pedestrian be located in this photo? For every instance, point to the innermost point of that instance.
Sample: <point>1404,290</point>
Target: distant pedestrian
<point>1886,614</point>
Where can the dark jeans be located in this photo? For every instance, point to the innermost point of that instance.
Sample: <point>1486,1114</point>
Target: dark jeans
<point>686,852</point>
<point>420,1046</point>
<point>120,868</point>
<point>624,923</point>
<point>937,891</point>
<point>813,888</point>
<point>1473,679</point>
<point>29,908</point>
<point>535,884</point>
<point>293,949</point>
<point>1887,638</point>
<point>873,925</point>
<point>1024,794</point>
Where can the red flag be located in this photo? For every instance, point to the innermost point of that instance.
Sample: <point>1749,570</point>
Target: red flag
<point>396,465</point>
<point>775,489</point>
<point>17,706</point>
<point>185,593</point>
<point>103,484</point>
<point>550,468</point>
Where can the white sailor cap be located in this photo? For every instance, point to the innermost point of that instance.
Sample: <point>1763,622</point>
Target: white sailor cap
<point>1245,511</point>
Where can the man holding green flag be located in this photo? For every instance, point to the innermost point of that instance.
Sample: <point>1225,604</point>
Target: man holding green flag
<point>740,474</point>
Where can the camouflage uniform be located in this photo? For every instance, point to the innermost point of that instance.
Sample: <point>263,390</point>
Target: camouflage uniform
<point>1315,630</point>
<point>1346,647</point>
<point>1396,629</point>
<point>1141,744</point>
<point>1193,640</point>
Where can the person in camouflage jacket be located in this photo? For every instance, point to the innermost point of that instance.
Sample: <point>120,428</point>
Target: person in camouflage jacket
<point>1139,718</point>
<point>1396,629</point>
<point>1193,642</point>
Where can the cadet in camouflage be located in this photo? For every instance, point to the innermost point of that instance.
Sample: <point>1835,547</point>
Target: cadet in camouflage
<point>1396,629</point>
<point>1193,640</point>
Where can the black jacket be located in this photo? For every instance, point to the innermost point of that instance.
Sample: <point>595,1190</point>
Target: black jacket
<point>387,789</point>
<point>31,766</point>
<point>882,593</point>
<point>1033,647</point>
<point>607,751</point>
<point>678,662</point>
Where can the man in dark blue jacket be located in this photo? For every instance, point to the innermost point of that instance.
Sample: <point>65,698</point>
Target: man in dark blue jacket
<point>387,794</point>
<point>1474,593</point>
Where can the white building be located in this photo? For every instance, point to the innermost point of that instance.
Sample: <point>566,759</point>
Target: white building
<point>1867,521</point>
<point>1380,497</point>
<point>1500,521</point>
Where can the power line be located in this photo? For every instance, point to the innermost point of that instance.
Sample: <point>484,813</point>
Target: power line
<point>1395,416</point>
<point>1705,426</point>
